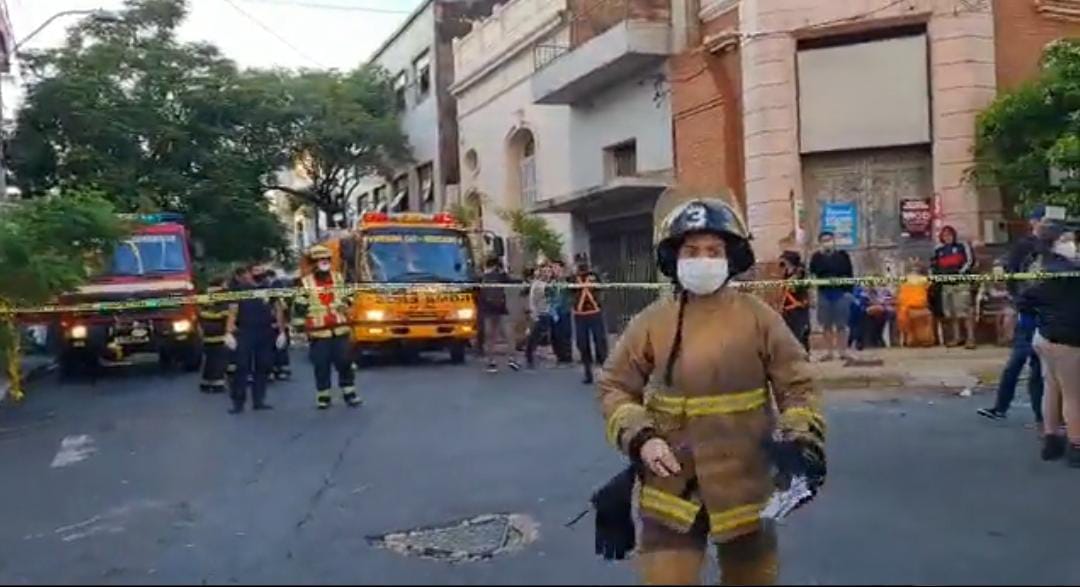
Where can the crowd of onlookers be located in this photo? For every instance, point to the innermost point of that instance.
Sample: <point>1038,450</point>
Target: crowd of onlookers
<point>555,315</point>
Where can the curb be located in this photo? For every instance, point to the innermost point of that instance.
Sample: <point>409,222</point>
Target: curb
<point>31,375</point>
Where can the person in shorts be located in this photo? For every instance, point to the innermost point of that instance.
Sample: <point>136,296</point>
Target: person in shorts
<point>953,257</point>
<point>834,301</point>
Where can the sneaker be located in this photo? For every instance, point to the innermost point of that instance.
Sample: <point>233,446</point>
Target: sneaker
<point>323,402</point>
<point>991,413</point>
<point>1072,455</point>
<point>352,400</point>
<point>513,365</point>
<point>491,368</point>
<point>1053,447</point>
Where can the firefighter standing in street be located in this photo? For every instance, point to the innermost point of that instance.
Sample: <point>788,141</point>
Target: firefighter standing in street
<point>687,396</point>
<point>212,322</point>
<point>326,321</point>
<point>588,320</point>
<point>253,332</point>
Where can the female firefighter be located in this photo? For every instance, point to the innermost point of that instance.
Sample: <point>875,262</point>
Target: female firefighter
<point>688,396</point>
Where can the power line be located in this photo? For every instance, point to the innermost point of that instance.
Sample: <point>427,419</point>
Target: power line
<point>273,33</point>
<point>323,6</point>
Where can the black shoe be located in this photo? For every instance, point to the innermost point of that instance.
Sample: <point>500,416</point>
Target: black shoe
<point>1053,447</point>
<point>323,403</point>
<point>237,409</point>
<point>262,407</point>
<point>992,413</point>
<point>1072,455</point>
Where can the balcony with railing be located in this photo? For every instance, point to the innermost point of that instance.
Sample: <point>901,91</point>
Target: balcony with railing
<point>610,40</point>
<point>512,27</point>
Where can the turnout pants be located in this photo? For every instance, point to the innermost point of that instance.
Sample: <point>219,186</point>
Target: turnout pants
<point>282,369</point>
<point>215,363</point>
<point>591,336</point>
<point>798,321</point>
<point>562,338</point>
<point>332,353</point>
<point>670,558</point>
<point>254,359</point>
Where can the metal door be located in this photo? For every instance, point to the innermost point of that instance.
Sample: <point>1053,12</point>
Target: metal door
<point>622,251</point>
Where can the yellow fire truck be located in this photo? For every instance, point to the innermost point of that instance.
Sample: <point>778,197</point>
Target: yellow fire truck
<point>431,255</point>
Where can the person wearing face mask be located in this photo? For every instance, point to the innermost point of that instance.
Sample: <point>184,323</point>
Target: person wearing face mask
<point>588,320</point>
<point>326,321</point>
<point>688,396</point>
<point>1054,301</point>
<point>250,332</point>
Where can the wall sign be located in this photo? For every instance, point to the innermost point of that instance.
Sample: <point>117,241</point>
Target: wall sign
<point>917,217</point>
<point>841,219</point>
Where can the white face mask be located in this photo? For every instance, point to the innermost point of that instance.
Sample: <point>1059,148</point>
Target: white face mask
<point>703,275</point>
<point>324,267</point>
<point>1066,249</point>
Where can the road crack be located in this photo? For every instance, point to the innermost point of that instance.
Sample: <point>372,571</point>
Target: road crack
<point>327,483</point>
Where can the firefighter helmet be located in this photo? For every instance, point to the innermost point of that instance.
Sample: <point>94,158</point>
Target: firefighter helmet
<point>703,215</point>
<point>319,253</point>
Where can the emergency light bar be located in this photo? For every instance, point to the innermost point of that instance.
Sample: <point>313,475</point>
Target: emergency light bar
<point>408,218</point>
<point>157,218</point>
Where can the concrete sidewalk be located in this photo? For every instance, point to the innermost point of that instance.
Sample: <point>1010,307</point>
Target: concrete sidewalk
<point>923,368</point>
<point>33,366</point>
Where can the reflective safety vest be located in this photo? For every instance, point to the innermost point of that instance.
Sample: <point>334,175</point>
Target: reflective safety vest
<point>212,320</point>
<point>326,310</point>
<point>586,299</point>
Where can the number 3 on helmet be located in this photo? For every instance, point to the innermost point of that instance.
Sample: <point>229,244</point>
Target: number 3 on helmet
<point>705,215</point>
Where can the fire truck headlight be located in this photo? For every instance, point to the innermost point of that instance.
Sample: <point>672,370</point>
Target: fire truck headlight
<point>466,313</point>
<point>78,332</point>
<point>181,326</point>
<point>375,315</point>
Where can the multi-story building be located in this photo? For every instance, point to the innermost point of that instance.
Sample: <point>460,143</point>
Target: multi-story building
<point>419,57</point>
<point>564,111</point>
<point>853,116</point>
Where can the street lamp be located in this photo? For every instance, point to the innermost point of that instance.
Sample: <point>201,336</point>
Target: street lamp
<point>98,15</point>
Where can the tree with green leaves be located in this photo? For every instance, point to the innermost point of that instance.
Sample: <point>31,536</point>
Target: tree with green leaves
<point>1029,138</point>
<point>49,246</point>
<point>536,234</point>
<point>343,128</point>
<point>156,124</point>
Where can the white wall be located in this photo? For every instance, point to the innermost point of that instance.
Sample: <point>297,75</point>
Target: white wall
<point>626,111</point>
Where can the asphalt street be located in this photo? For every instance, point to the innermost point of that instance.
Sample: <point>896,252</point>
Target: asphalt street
<point>137,477</point>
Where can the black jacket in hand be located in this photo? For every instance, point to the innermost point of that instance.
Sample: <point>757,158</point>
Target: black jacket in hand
<point>615,532</point>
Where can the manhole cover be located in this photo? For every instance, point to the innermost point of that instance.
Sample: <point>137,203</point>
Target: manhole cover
<point>474,539</point>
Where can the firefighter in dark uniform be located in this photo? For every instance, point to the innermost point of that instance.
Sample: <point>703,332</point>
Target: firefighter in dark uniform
<point>212,322</point>
<point>588,320</point>
<point>282,370</point>
<point>325,312</point>
<point>253,331</point>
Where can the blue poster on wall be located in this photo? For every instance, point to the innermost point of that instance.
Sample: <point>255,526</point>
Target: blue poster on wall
<point>841,219</point>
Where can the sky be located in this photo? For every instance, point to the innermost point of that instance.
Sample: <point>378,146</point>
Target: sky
<point>317,33</point>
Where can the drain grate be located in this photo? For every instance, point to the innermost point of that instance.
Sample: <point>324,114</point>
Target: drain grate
<point>475,539</point>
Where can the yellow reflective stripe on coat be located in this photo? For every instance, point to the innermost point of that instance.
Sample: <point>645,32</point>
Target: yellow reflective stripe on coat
<point>708,405</point>
<point>212,315</point>
<point>620,419</point>
<point>726,521</point>
<point>664,503</point>
<point>214,339</point>
<point>802,419</point>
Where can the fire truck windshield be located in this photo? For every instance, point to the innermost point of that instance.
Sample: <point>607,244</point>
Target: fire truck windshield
<point>148,254</point>
<point>417,256</point>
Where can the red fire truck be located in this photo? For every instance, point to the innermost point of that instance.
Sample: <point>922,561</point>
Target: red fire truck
<point>156,261</point>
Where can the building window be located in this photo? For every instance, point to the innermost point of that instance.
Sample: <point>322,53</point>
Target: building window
<point>621,160</point>
<point>422,69</point>
<point>528,171</point>
<point>400,203</point>
<point>399,91</point>
<point>380,201</point>
<point>472,161</point>
<point>427,187</point>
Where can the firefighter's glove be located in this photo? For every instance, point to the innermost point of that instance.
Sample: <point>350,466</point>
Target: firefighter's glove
<point>281,341</point>
<point>230,341</point>
<point>615,533</point>
<point>799,457</point>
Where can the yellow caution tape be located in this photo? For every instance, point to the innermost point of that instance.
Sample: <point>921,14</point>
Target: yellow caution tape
<point>396,288</point>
